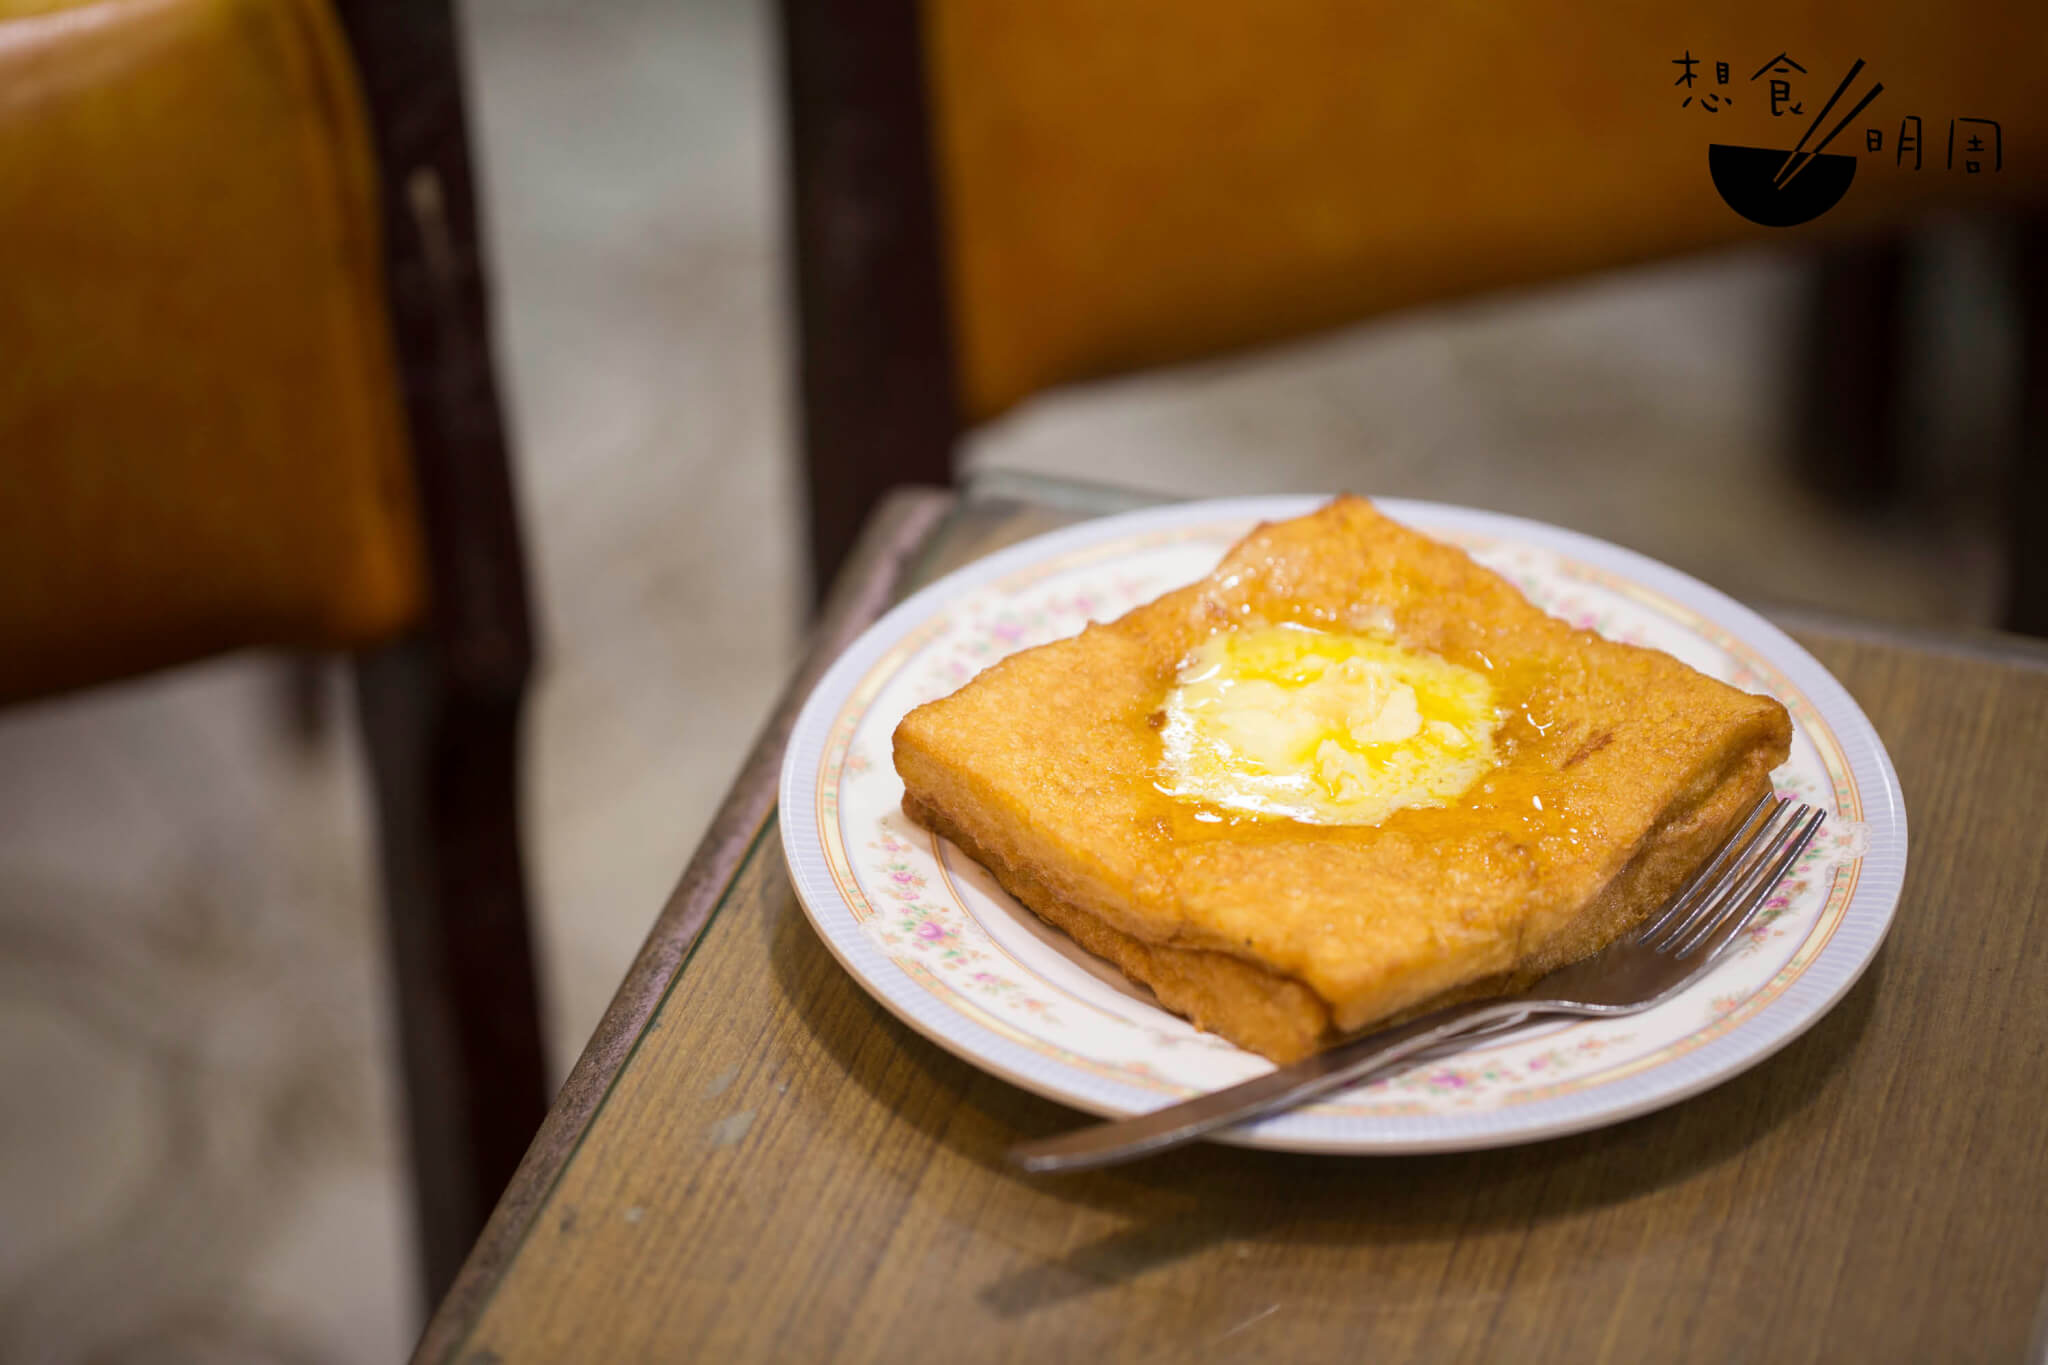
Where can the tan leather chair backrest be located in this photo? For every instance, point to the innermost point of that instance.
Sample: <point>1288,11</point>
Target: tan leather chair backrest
<point>200,436</point>
<point>1134,183</point>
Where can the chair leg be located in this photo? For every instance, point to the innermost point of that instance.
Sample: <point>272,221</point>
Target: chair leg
<point>443,757</point>
<point>302,699</point>
<point>1849,444</point>
<point>875,356</point>
<point>2026,602</point>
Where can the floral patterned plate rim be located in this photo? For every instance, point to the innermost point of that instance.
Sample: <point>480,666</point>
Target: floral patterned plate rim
<point>931,936</point>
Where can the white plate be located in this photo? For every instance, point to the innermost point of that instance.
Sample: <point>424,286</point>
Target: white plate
<point>932,937</point>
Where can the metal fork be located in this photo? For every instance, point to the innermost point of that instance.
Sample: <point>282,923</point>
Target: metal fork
<point>1673,948</point>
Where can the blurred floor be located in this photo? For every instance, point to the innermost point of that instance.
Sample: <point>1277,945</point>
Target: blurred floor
<point>1650,408</point>
<point>197,1154</point>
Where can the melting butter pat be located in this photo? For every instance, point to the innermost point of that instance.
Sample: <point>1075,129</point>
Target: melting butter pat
<point>1323,727</point>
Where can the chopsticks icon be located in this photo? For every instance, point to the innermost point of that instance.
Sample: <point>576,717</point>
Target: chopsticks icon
<point>1799,159</point>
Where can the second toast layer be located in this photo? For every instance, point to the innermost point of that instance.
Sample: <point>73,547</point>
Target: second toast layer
<point>1281,1018</point>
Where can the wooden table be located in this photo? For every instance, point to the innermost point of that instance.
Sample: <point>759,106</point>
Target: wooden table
<point>755,1161</point>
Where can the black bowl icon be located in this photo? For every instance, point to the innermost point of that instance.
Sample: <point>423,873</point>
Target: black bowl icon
<point>1744,176</point>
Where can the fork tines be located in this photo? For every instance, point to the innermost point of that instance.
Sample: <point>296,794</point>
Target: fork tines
<point>1721,896</point>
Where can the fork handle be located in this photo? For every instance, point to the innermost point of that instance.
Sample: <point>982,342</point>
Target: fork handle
<point>1105,1144</point>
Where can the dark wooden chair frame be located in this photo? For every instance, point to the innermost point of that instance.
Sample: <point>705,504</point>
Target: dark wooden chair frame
<point>440,709</point>
<point>875,350</point>
<point>877,380</point>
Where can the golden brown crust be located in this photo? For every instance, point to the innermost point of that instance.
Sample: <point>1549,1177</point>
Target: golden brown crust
<point>1251,1006</point>
<point>1620,768</point>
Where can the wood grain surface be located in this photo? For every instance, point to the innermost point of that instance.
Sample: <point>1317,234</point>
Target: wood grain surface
<point>778,1170</point>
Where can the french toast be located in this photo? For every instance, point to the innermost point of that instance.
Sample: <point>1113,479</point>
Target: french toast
<point>1349,774</point>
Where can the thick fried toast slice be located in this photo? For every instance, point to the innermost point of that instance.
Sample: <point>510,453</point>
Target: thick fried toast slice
<point>1615,770</point>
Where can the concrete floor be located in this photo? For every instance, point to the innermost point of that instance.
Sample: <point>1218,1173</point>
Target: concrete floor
<point>198,1155</point>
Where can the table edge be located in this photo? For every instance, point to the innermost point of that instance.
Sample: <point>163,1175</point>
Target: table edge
<point>884,556</point>
<point>1963,642</point>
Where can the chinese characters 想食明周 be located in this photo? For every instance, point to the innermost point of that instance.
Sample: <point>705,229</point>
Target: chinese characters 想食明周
<point>1981,141</point>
